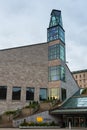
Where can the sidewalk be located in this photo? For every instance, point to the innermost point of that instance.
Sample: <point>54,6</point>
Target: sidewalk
<point>43,129</point>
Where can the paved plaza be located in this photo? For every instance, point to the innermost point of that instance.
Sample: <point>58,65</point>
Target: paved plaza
<point>43,129</point>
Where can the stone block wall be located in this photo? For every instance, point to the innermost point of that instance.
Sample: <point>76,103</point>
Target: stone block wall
<point>23,67</point>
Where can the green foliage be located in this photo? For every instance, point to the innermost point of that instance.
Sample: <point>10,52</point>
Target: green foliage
<point>33,104</point>
<point>10,112</point>
<point>52,123</point>
<point>38,124</point>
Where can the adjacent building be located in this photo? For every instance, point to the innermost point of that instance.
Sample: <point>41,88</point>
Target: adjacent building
<point>36,72</point>
<point>81,78</point>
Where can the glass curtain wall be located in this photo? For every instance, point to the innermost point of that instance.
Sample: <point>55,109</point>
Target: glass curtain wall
<point>56,51</point>
<point>56,73</point>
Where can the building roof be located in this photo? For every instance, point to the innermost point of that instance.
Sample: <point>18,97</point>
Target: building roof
<point>76,104</point>
<point>24,46</point>
<point>70,111</point>
<point>79,71</point>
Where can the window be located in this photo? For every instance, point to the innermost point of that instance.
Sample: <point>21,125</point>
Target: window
<point>80,76</point>
<point>61,34</point>
<point>62,52</point>
<point>56,51</point>
<point>54,93</point>
<point>84,75</point>
<point>53,52</point>
<point>29,93</point>
<point>53,21</point>
<point>63,91</point>
<point>62,70</point>
<point>43,94</point>
<point>56,73</point>
<point>16,93</point>
<point>55,33</point>
<point>3,92</point>
<point>76,76</point>
<point>52,34</point>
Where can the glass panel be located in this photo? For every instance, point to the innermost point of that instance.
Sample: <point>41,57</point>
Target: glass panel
<point>52,34</point>
<point>62,52</point>
<point>43,94</point>
<point>53,52</point>
<point>56,18</point>
<point>61,34</point>
<point>54,93</point>
<point>62,73</point>
<point>16,93</point>
<point>54,73</point>
<point>63,94</point>
<point>3,92</point>
<point>29,93</point>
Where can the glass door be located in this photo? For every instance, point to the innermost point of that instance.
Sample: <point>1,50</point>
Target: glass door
<point>76,122</point>
<point>70,121</point>
<point>82,122</point>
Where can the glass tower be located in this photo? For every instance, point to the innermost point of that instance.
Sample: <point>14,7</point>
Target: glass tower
<point>56,55</point>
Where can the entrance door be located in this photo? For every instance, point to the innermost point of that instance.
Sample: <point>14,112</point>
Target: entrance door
<point>79,122</point>
<point>76,122</point>
<point>69,121</point>
<point>82,122</point>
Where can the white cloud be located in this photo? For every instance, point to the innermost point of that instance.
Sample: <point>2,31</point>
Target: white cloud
<point>24,22</point>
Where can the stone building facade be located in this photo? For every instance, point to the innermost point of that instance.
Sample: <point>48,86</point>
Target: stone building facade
<point>36,72</point>
<point>81,78</point>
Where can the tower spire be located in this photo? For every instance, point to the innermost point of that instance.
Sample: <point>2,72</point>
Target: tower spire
<point>55,30</point>
<point>56,18</point>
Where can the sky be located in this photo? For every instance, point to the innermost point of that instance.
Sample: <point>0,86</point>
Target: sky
<point>25,22</point>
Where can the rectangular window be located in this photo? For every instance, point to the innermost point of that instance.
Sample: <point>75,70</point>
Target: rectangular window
<point>56,51</point>
<point>3,92</point>
<point>56,73</point>
<point>63,93</point>
<point>29,93</point>
<point>61,34</point>
<point>62,53</point>
<point>16,93</point>
<point>62,69</point>
<point>54,93</point>
<point>53,52</point>
<point>52,33</point>
<point>43,94</point>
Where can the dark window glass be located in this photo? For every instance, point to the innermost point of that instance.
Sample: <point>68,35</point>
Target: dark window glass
<point>63,94</point>
<point>16,93</point>
<point>3,92</point>
<point>43,94</point>
<point>29,93</point>
<point>62,69</point>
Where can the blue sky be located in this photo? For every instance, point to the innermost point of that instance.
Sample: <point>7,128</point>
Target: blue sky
<point>25,22</point>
